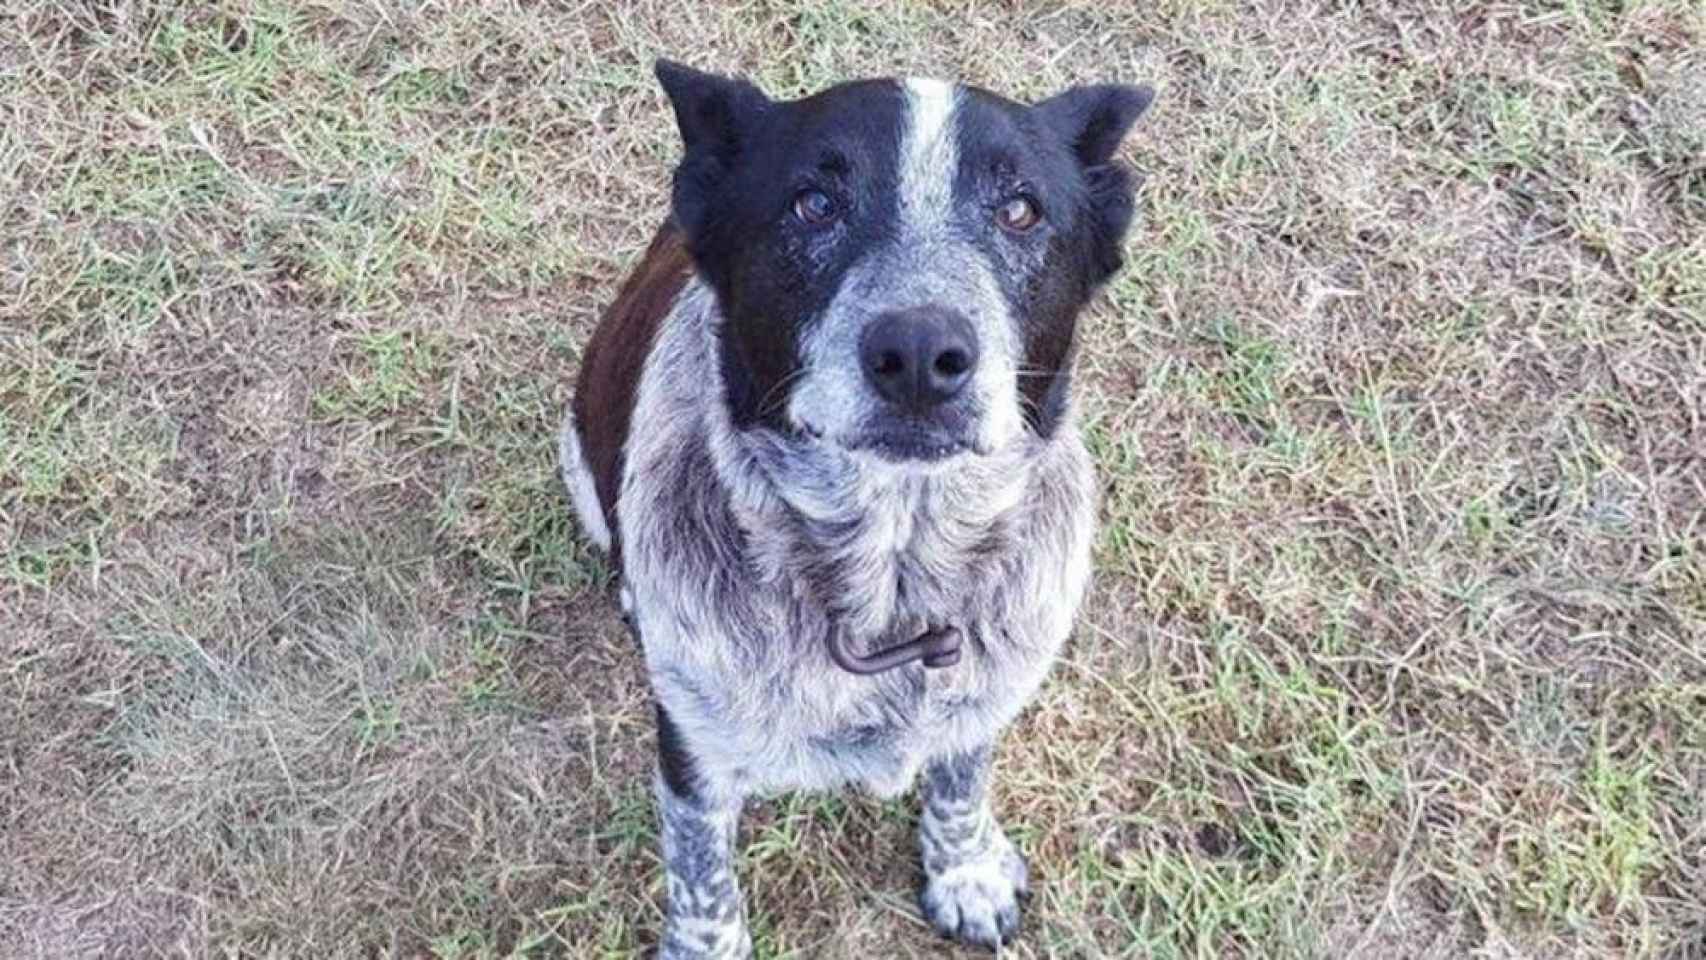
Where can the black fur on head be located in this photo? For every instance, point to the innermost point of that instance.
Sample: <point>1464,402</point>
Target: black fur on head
<point>748,159</point>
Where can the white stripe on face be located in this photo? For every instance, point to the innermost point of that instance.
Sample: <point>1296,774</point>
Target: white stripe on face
<point>929,155</point>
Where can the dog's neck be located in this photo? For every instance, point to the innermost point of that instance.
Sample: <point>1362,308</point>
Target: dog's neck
<point>881,547</point>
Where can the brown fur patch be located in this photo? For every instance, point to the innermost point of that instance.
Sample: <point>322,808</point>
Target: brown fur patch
<point>614,358</point>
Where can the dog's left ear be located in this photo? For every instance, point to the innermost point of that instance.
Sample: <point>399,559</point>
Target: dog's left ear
<point>1094,119</point>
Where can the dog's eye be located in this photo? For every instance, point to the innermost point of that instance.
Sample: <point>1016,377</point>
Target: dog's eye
<point>814,206</point>
<point>1018,215</point>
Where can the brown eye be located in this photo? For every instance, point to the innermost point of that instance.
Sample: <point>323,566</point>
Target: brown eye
<point>1018,215</point>
<point>814,206</point>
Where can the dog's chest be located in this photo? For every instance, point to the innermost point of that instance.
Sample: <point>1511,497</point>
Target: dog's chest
<point>736,625</point>
<point>775,712</point>
<point>816,725</point>
<point>883,740</point>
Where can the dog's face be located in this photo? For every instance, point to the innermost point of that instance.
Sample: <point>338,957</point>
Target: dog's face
<point>900,264</point>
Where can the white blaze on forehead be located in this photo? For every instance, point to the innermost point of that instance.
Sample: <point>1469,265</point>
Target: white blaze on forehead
<point>929,153</point>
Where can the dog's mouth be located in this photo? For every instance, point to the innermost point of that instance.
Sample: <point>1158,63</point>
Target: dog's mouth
<point>909,446</point>
<point>900,442</point>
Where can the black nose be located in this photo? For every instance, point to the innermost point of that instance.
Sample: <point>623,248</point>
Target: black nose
<point>919,358</point>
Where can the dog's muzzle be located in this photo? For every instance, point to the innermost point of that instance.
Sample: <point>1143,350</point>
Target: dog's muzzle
<point>918,363</point>
<point>937,647</point>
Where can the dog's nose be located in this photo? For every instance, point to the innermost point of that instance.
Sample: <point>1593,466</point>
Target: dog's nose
<point>919,358</point>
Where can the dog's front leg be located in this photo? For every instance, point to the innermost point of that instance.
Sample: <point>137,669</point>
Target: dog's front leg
<point>973,875</point>
<point>706,918</point>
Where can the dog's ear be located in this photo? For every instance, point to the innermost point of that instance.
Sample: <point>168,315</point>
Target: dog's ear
<point>1094,119</point>
<point>715,115</point>
<point>712,112</point>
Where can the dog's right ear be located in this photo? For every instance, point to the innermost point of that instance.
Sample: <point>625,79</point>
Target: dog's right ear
<point>715,115</point>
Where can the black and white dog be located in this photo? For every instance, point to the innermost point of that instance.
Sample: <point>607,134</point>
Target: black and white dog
<point>826,435</point>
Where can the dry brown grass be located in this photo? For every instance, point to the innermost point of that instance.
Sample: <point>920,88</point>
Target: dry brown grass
<point>1397,649</point>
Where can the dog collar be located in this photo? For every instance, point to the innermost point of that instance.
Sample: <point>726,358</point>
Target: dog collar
<point>937,647</point>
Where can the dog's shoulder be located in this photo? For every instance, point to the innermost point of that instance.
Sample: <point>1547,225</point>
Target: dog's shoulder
<point>614,359</point>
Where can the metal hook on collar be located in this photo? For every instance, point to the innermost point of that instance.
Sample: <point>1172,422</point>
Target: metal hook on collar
<point>937,647</point>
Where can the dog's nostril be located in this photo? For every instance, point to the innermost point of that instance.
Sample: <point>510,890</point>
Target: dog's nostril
<point>889,364</point>
<point>952,363</point>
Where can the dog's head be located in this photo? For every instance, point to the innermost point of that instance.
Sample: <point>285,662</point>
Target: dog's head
<point>900,265</point>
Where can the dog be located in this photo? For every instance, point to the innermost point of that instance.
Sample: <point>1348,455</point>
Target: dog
<point>825,434</point>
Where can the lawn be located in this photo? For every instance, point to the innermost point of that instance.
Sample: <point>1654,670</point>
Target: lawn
<point>1398,643</point>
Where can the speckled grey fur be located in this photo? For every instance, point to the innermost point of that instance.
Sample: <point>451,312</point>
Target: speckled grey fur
<point>743,550</point>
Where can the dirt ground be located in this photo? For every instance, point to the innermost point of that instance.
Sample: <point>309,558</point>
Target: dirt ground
<point>1398,644</point>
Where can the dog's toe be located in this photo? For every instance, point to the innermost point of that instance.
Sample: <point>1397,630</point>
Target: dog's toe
<point>978,902</point>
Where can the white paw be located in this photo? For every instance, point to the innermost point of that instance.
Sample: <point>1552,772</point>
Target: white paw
<point>698,938</point>
<point>977,902</point>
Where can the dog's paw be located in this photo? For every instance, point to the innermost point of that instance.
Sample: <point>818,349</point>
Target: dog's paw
<point>978,902</point>
<point>705,939</point>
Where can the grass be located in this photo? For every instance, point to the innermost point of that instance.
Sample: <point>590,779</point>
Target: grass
<point>1398,647</point>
